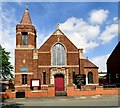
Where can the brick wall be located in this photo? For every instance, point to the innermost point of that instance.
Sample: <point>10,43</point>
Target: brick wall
<point>95,74</point>
<point>8,94</point>
<point>36,67</point>
<point>50,92</point>
<point>33,94</point>
<point>30,29</point>
<point>71,91</point>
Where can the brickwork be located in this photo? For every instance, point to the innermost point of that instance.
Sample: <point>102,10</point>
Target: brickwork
<point>8,94</point>
<point>26,55</point>
<point>30,29</point>
<point>72,59</point>
<point>95,74</point>
<point>45,59</point>
<point>39,60</point>
<point>53,40</point>
<point>71,91</point>
<point>113,65</point>
<point>50,92</point>
<point>35,94</point>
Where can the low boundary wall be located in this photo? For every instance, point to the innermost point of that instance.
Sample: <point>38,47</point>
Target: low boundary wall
<point>31,94</point>
<point>71,91</point>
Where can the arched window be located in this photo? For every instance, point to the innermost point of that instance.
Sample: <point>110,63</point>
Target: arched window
<point>90,77</point>
<point>58,55</point>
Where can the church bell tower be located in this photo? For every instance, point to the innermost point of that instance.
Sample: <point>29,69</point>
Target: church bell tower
<point>25,32</point>
<point>25,52</point>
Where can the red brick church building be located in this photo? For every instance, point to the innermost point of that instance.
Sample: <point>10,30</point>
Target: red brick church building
<point>56,62</point>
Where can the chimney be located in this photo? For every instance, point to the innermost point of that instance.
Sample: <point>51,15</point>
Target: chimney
<point>81,55</point>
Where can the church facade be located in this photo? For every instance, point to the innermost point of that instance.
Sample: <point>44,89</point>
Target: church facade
<point>57,62</point>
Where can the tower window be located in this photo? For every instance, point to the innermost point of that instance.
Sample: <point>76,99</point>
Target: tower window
<point>24,38</point>
<point>24,79</point>
<point>44,77</point>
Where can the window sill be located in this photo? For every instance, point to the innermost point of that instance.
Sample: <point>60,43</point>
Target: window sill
<point>24,85</point>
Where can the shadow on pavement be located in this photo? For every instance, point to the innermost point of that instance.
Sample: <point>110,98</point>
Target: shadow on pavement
<point>9,105</point>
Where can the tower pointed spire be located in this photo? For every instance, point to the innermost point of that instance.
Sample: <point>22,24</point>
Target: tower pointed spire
<point>26,17</point>
<point>27,6</point>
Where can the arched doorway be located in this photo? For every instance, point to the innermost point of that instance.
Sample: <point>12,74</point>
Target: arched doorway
<point>59,82</point>
<point>90,77</point>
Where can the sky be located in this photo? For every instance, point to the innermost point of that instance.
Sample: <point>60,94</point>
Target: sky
<point>92,26</point>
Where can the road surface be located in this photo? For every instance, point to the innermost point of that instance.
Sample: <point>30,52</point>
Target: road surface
<point>97,100</point>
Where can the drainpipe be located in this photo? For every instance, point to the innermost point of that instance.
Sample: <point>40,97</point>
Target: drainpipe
<point>81,56</point>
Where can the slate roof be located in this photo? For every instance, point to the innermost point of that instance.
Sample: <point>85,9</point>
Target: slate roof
<point>89,64</point>
<point>26,17</point>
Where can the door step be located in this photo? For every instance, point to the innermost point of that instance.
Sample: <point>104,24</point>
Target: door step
<point>60,93</point>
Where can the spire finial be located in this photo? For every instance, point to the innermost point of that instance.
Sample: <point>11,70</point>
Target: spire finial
<point>58,25</point>
<point>27,6</point>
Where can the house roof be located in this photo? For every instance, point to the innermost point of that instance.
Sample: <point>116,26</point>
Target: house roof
<point>89,64</point>
<point>115,54</point>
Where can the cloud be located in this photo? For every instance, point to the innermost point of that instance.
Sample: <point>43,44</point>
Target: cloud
<point>109,33</point>
<point>100,61</point>
<point>98,16</point>
<point>7,33</point>
<point>89,36</point>
<point>115,19</point>
<point>41,39</point>
<point>81,33</point>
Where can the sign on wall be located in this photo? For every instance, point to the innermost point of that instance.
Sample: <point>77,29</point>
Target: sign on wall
<point>24,69</point>
<point>81,79</point>
<point>35,82</point>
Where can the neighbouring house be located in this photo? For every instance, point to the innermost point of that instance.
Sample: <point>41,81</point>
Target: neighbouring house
<point>113,66</point>
<point>102,78</point>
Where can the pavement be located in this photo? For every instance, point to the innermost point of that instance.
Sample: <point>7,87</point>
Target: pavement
<point>97,100</point>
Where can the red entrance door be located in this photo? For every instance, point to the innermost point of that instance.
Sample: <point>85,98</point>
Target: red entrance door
<point>59,83</point>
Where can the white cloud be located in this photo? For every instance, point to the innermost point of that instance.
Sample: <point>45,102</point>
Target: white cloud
<point>98,16</point>
<point>7,33</point>
<point>115,19</point>
<point>81,33</point>
<point>41,39</point>
<point>109,33</point>
<point>101,61</point>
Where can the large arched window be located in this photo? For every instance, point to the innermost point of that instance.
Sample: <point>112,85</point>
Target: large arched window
<point>90,77</point>
<point>58,55</point>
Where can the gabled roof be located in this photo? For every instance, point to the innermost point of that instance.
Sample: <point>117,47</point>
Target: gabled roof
<point>26,17</point>
<point>115,53</point>
<point>58,32</point>
<point>89,64</point>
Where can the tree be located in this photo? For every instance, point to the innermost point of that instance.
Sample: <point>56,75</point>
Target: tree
<point>5,66</point>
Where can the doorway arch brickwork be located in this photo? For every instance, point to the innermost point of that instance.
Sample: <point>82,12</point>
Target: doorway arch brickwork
<point>54,71</point>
